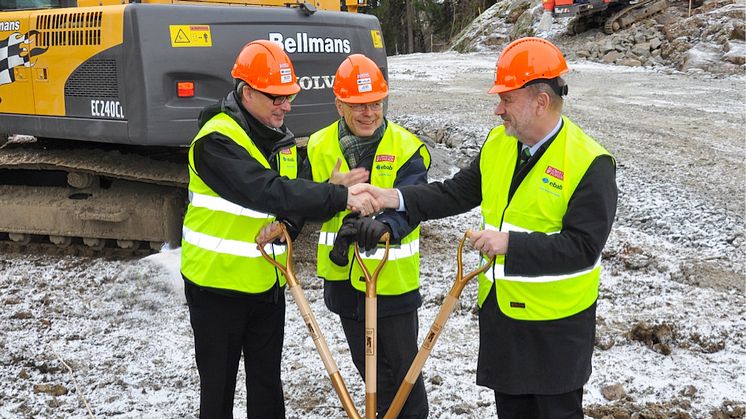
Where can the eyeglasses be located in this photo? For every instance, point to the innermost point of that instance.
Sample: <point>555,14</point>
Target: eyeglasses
<point>360,107</point>
<point>278,100</point>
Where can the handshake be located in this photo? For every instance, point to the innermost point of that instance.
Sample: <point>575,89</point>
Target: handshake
<point>367,199</point>
<point>363,198</point>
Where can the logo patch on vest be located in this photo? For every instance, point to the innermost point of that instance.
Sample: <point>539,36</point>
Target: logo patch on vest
<point>384,167</point>
<point>555,173</point>
<point>515,304</point>
<point>385,157</point>
<point>555,185</point>
<point>286,151</point>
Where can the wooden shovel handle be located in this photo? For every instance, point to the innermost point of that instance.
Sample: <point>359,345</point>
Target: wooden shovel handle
<point>371,328</point>
<point>439,323</point>
<point>310,320</point>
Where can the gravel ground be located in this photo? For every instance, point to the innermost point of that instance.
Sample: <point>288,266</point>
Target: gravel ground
<point>88,337</point>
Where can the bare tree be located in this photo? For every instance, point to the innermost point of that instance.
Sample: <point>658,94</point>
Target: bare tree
<point>409,4</point>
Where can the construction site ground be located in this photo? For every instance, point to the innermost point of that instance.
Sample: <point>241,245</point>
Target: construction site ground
<point>88,336</point>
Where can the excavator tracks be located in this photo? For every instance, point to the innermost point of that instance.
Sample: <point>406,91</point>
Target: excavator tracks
<point>77,200</point>
<point>75,249</point>
<point>633,13</point>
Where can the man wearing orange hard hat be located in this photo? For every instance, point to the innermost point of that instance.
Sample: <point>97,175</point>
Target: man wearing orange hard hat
<point>364,146</point>
<point>243,165</point>
<point>548,196</point>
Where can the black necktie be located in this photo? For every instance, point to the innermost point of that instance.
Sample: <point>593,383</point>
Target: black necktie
<point>525,155</point>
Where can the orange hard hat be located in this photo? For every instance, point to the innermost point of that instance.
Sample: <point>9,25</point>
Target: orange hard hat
<point>527,59</point>
<point>359,80</point>
<point>265,66</point>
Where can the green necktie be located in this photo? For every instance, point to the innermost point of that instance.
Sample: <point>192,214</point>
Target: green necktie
<point>525,155</point>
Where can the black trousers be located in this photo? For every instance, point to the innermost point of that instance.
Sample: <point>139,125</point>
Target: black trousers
<point>535,406</point>
<point>224,327</point>
<point>397,347</point>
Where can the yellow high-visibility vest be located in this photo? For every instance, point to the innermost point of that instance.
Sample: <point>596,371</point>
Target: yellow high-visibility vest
<point>401,273</point>
<point>217,247</point>
<point>538,205</point>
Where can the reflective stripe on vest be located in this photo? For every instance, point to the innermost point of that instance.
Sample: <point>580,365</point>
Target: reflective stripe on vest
<point>538,205</point>
<point>395,251</point>
<point>218,248</point>
<point>401,272</point>
<point>498,270</point>
<point>216,203</point>
<point>230,247</point>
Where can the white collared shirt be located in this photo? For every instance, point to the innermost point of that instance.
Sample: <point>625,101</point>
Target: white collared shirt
<point>534,148</point>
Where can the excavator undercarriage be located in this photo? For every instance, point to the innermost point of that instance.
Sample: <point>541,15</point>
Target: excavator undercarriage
<point>75,194</point>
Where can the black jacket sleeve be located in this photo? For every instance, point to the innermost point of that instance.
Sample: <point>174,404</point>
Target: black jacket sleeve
<point>442,199</point>
<point>585,228</point>
<point>413,172</point>
<point>232,173</point>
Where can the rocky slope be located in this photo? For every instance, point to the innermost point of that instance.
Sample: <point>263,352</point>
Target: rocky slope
<point>708,38</point>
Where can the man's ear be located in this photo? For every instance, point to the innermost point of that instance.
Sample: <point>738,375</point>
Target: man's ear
<point>242,94</point>
<point>339,105</point>
<point>543,103</point>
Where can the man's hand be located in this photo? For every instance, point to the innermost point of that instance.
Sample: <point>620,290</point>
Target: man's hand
<point>386,198</point>
<point>270,232</point>
<point>490,242</point>
<point>366,231</point>
<point>353,177</point>
<point>345,237</point>
<point>362,202</point>
<point>369,232</point>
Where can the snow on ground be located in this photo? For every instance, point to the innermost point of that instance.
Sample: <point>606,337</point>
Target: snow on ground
<point>114,336</point>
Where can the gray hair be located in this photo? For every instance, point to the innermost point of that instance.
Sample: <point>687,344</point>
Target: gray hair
<point>555,101</point>
<point>239,86</point>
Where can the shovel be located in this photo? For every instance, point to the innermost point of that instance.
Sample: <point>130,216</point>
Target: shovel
<point>371,324</point>
<point>432,336</point>
<point>313,326</point>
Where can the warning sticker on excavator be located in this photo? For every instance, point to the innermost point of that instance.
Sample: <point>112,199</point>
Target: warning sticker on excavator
<point>377,40</point>
<point>190,36</point>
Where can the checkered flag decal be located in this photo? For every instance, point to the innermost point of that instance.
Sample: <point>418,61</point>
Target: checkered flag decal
<point>10,54</point>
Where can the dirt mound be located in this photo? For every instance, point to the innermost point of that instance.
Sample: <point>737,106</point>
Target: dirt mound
<point>658,337</point>
<point>673,409</point>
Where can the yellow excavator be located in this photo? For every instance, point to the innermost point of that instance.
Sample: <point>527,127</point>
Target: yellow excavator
<point>99,100</point>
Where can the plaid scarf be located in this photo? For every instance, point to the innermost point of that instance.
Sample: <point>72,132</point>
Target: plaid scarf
<point>354,147</point>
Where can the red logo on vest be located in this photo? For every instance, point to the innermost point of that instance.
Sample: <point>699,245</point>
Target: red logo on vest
<point>556,173</point>
<point>385,157</point>
<point>286,151</point>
